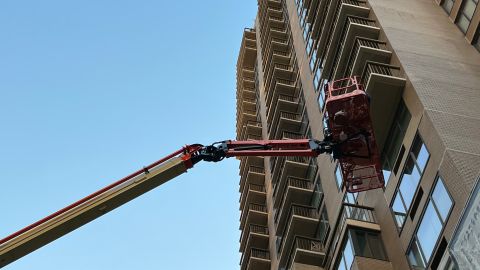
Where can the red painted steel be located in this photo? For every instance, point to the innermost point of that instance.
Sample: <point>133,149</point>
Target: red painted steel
<point>348,110</point>
<point>298,147</point>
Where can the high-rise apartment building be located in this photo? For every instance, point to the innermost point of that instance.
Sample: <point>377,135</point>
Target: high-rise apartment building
<point>419,62</point>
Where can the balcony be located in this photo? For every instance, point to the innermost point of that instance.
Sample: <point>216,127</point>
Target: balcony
<point>281,57</point>
<point>249,104</point>
<point>255,174</point>
<point>274,12</point>
<point>250,128</point>
<point>311,11</point>
<point>289,104</point>
<point>351,215</point>
<point>320,20</point>
<point>284,167</point>
<point>280,44</point>
<point>360,47</point>
<point>249,115</point>
<point>287,121</point>
<point>293,190</point>
<point>302,221</point>
<point>253,214</point>
<point>254,236</point>
<point>335,19</point>
<point>248,93</point>
<point>307,251</point>
<point>255,259</point>
<point>278,32</point>
<point>384,84</point>
<point>282,71</point>
<point>248,73</point>
<point>253,193</point>
<point>280,87</point>
<point>276,22</point>
<point>248,83</point>
<point>248,51</point>
<point>345,36</point>
<point>365,50</point>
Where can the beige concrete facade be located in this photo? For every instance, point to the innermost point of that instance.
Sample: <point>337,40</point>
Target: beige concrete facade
<point>422,73</point>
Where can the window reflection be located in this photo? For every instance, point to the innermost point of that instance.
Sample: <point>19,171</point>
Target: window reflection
<point>431,226</point>
<point>410,179</point>
<point>338,176</point>
<point>361,243</point>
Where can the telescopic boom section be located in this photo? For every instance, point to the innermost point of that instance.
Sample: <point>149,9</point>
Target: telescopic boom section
<point>128,188</point>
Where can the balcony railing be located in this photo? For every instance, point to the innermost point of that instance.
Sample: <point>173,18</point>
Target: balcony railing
<point>251,169</point>
<point>304,243</point>
<point>260,253</point>
<point>293,135</point>
<point>281,53</point>
<point>253,228</point>
<point>309,244</point>
<point>257,207</point>
<point>379,68</point>
<point>350,20</point>
<point>291,116</point>
<point>365,42</point>
<point>253,137</point>
<point>251,207</point>
<point>291,182</point>
<point>250,112</point>
<point>253,253</point>
<point>282,66</point>
<point>243,131</point>
<point>299,210</point>
<point>250,187</point>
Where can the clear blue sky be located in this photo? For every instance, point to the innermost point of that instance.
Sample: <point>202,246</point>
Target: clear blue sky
<point>93,90</point>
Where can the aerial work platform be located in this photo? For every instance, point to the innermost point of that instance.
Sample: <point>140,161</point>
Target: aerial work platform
<point>348,111</point>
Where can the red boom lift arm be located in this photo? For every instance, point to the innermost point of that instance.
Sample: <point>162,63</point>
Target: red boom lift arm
<point>349,137</point>
<point>110,197</point>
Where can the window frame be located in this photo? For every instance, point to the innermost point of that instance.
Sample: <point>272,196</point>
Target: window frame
<point>350,239</point>
<point>395,126</point>
<point>462,14</point>
<point>397,188</point>
<point>414,240</point>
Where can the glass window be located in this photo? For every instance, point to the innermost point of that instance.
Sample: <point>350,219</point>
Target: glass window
<point>476,39</point>
<point>316,77</point>
<point>442,200</point>
<point>361,243</point>
<point>338,176</point>
<point>410,179</point>
<point>447,5</point>
<point>347,256</point>
<point>395,138</point>
<point>317,196</point>
<point>429,230</point>
<point>368,244</point>
<point>415,257</point>
<point>399,210</point>
<point>469,8</point>
<point>313,59</point>
<point>466,14</point>
<point>350,198</point>
<point>323,227</point>
<point>431,226</point>
<point>321,99</point>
